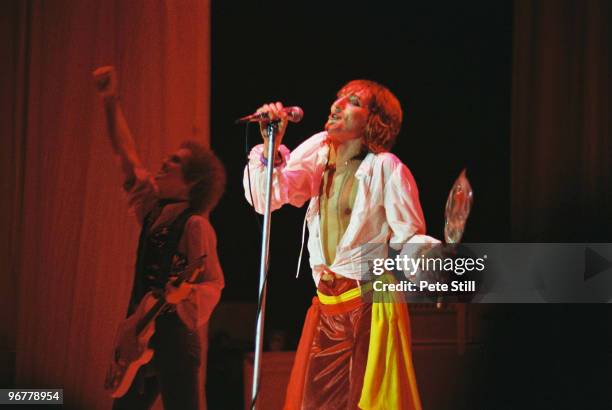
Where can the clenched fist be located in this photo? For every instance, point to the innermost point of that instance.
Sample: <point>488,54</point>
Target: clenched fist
<point>105,79</point>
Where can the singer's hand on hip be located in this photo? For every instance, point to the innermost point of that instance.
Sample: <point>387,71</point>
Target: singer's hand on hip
<point>275,112</point>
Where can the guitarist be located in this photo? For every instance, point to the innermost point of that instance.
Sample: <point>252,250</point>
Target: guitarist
<point>173,208</point>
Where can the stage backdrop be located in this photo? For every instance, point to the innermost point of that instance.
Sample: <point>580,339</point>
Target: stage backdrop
<point>71,241</point>
<point>561,142</point>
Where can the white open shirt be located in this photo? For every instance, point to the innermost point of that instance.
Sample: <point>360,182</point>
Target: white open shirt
<point>386,209</point>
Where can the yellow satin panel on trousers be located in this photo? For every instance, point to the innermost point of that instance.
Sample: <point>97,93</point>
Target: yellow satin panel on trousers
<point>389,381</point>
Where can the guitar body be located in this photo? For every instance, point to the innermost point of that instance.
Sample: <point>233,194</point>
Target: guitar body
<point>132,343</point>
<point>131,349</point>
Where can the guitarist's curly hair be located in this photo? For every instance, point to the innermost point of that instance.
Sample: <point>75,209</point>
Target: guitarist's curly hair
<point>205,168</point>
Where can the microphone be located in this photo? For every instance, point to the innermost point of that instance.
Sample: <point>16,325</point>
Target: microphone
<point>295,114</point>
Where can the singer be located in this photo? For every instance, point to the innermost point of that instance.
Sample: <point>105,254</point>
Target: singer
<point>352,354</point>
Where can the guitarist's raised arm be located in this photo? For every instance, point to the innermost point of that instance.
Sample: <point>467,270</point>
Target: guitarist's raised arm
<point>118,131</point>
<point>137,181</point>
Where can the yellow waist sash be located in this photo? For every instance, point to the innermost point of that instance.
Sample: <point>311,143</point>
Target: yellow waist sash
<point>343,297</point>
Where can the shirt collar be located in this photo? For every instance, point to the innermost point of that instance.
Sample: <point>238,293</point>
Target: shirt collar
<point>365,168</point>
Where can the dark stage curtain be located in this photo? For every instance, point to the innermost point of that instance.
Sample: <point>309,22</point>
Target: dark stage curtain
<point>70,241</point>
<point>561,148</point>
<point>12,126</point>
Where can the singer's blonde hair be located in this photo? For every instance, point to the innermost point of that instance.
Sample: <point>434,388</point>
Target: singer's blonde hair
<point>385,118</point>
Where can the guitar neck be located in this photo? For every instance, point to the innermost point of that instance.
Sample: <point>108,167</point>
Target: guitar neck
<point>161,302</point>
<point>151,314</point>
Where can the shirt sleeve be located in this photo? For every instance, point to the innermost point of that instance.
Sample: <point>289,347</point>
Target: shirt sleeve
<point>201,240</point>
<point>294,180</point>
<point>405,215</point>
<point>141,193</point>
<point>402,205</point>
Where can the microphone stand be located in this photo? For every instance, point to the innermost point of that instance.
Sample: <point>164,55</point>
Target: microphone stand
<point>263,265</point>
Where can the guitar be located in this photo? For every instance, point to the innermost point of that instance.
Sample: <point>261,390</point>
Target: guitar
<point>131,344</point>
